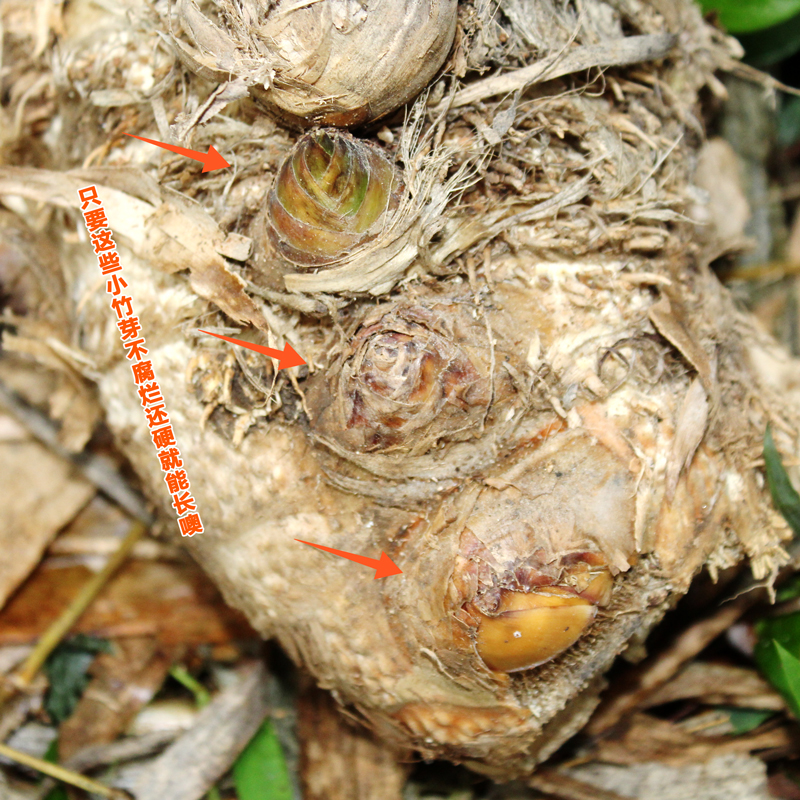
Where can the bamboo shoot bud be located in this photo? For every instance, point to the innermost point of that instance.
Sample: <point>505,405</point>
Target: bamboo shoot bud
<point>332,193</point>
<point>530,629</point>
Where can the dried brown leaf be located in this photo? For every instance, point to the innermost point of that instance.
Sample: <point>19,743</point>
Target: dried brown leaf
<point>719,174</point>
<point>646,738</point>
<point>41,494</point>
<point>171,231</point>
<point>124,681</point>
<point>718,684</point>
<point>615,52</point>
<point>172,601</point>
<point>669,319</point>
<point>689,432</point>
<point>643,680</point>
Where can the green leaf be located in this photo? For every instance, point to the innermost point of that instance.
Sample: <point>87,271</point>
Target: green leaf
<point>260,772</point>
<point>789,119</point>
<point>66,670</point>
<point>768,46</point>
<point>784,495</point>
<point>782,670</point>
<point>776,653</point>
<point>51,754</point>
<point>788,590</point>
<point>745,720</point>
<point>201,695</point>
<point>57,792</point>
<point>740,16</point>
<point>784,629</point>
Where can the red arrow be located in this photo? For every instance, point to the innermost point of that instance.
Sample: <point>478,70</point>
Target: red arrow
<point>211,160</point>
<point>287,357</point>
<point>383,566</point>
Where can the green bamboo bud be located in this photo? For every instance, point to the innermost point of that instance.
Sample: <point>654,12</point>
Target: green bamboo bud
<point>332,194</point>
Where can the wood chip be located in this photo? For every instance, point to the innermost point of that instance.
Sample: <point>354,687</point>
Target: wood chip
<point>610,54</point>
<point>189,767</point>
<point>124,681</point>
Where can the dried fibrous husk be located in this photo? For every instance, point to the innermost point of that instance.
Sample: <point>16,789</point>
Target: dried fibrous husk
<point>331,62</point>
<point>547,242</point>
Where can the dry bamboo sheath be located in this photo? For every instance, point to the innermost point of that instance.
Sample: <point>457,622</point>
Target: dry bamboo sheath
<point>523,383</point>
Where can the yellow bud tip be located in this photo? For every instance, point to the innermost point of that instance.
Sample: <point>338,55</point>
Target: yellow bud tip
<point>531,628</point>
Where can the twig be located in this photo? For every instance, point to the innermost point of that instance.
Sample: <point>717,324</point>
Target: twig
<point>629,50</point>
<point>754,75</point>
<point>62,774</point>
<point>53,635</point>
<point>127,749</point>
<point>771,270</point>
<point>556,784</point>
